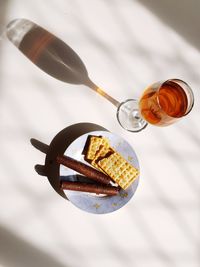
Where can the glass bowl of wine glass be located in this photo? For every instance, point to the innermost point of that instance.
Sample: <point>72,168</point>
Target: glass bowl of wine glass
<point>161,104</point>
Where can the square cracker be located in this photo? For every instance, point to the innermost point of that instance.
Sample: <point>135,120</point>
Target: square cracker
<point>95,143</point>
<point>103,151</point>
<point>122,172</point>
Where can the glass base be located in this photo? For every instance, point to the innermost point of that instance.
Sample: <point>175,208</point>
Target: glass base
<point>129,117</point>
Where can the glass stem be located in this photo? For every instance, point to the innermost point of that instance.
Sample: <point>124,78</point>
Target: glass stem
<point>101,92</point>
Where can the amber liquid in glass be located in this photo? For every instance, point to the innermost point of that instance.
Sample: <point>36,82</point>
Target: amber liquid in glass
<point>164,105</point>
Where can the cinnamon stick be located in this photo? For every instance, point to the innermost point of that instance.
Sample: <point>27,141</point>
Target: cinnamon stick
<point>83,169</point>
<point>90,188</point>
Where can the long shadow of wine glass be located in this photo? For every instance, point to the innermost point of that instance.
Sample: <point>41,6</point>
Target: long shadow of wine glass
<point>48,52</point>
<point>58,146</point>
<point>51,54</point>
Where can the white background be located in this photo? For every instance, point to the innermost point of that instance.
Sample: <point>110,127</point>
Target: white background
<point>125,45</point>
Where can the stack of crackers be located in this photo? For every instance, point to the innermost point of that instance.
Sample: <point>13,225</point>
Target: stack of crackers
<point>103,157</point>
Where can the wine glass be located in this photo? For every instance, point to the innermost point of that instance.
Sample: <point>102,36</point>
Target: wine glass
<point>161,104</point>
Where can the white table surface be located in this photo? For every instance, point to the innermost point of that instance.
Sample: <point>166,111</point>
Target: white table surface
<point>125,45</point>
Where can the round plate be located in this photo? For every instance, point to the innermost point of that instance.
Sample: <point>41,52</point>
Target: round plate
<point>91,202</point>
